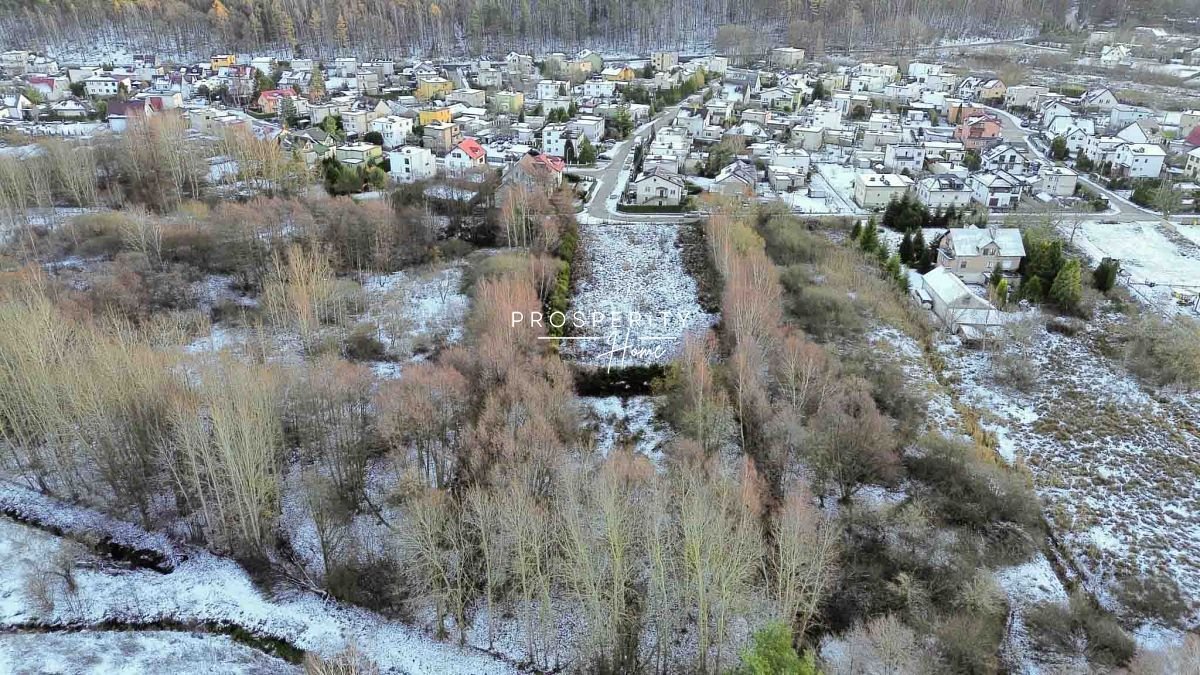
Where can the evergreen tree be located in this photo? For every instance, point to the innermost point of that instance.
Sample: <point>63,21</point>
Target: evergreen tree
<point>1104,277</point>
<point>906,249</point>
<point>316,84</point>
<point>1002,291</point>
<point>891,214</point>
<point>587,152</point>
<point>1058,148</point>
<point>1031,289</point>
<point>921,253</point>
<point>1067,290</point>
<point>772,653</point>
<point>868,240</point>
<point>950,218</point>
<point>855,231</point>
<point>893,268</point>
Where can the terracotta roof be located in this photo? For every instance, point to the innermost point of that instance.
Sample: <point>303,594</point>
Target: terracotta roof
<point>472,147</point>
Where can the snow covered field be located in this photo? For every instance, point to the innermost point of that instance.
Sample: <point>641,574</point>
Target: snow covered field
<point>633,268</point>
<point>92,652</point>
<point>1113,464</point>
<point>205,588</point>
<point>628,422</point>
<point>1167,256</point>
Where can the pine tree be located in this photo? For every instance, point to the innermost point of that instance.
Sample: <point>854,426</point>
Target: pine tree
<point>1104,277</point>
<point>1031,289</point>
<point>906,249</point>
<point>868,240</point>
<point>316,84</point>
<point>1067,289</point>
<point>1002,292</point>
<point>855,231</point>
<point>587,152</point>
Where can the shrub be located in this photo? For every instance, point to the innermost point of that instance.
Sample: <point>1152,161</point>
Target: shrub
<point>983,495</point>
<point>820,310</point>
<point>1165,352</point>
<point>362,344</point>
<point>1080,626</point>
<point>772,653</point>
<point>1153,595</point>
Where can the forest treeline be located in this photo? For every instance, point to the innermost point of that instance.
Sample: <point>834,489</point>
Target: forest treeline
<point>379,27</point>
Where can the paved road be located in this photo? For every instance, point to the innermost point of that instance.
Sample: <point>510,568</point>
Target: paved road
<point>613,178</point>
<point>1122,210</point>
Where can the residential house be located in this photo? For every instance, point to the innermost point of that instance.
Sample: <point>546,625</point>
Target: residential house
<point>1023,95</point>
<point>14,106</point>
<point>1100,98</point>
<point>786,178</point>
<point>658,187</point>
<point>441,137</point>
<point>738,179</point>
<point>518,64</point>
<point>222,61</point>
<point>357,153</point>
<point>537,170</point>
<point>992,90</point>
<point>588,61</point>
<point>943,191</point>
<point>588,125</point>
<point>105,86</point>
<point>511,102</point>
<point>995,189</point>
<point>1188,121</point>
<point>1139,160</point>
<point>268,100</point>
<point>467,155</point>
<point>410,164</point>
<point>70,109</point>
<point>393,128</point>
<point>960,311</point>
<point>560,140</point>
<point>1102,149</point>
<point>790,157</point>
<point>489,78</point>
<point>475,98</point>
<point>1115,55</point>
<point>1121,115</point>
<point>973,254</point>
<point>741,84</point>
<point>434,114</point>
<point>618,74</point>
<point>664,61</point>
<point>15,61</point>
<point>875,190</point>
<point>313,143</point>
<point>1004,157</point>
<point>357,122</point>
<point>944,151</point>
<point>433,86</point>
<point>1192,168</point>
<point>597,88</point>
<point>1057,181</point>
<point>787,57</point>
<point>552,88</point>
<point>904,157</point>
<point>979,132</point>
<point>51,87</point>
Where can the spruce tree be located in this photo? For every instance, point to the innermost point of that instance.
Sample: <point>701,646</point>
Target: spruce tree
<point>855,231</point>
<point>1031,289</point>
<point>906,249</point>
<point>1067,289</point>
<point>1104,277</point>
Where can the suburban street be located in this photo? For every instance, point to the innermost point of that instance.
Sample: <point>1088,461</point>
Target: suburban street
<point>613,177</point>
<point>1121,209</point>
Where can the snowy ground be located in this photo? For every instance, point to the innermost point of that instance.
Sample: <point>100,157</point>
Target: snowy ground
<point>628,269</point>
<point>208,589</point>
<point>1157,259</point>
<point>800,201</point>
<point>91,652</point>
<point>840,181</point>
<point>620,422</point>
<point>417,309</point>
<point>1112,464</point>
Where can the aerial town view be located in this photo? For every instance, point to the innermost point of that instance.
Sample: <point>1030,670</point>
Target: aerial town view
<point>757,337</point>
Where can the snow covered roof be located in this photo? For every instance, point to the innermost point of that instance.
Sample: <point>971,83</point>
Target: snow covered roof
<point>972,240</point>
<point>942,284</point>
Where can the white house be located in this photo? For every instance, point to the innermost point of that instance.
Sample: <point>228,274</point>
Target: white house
<point>995,189</point>
<point>737,179</point>
<point>467,155</point>
<point>974,254</point>
<point>1098,99</point>
<point>598,88</point>
<point>1057,181</point>
<point>1115,55</point>
<point>1140,160</point>
<point>875,190</point>
<point>588,125</point>
<point>658,187</point>
<point>1101,149</point>
<point>1192,168</point>
<point>901,156</point>
<point>1005,157</point>
<point>104,86</point>
<point>556,138</point>
<point>551,88</point>
<point>959,310</point>
<point>393,128</point>
<point>795,158</point>
<point>943,191</point>
<point>411,163</point>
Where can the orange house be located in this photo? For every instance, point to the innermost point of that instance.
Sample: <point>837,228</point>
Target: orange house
<point>977,133</point>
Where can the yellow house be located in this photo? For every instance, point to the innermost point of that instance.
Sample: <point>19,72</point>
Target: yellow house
<point>992,89</point>
<point>509,101</point>
<point>433,86</point>
<point>433,115</point>
<point>222,61</point>
<point>618,74</point>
